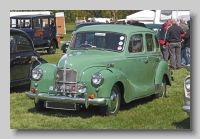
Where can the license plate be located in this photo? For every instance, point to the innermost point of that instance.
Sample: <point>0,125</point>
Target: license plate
<point>61,105</point>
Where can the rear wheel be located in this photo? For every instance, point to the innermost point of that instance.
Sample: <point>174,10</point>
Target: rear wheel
<point>162,93</point>
<point>52,48</point>
<point>115,99</point>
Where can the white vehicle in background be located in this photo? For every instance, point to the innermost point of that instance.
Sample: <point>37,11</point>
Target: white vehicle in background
<point>162,15</point>
<point>120,21</point>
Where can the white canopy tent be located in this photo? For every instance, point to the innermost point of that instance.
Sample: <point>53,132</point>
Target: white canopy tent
<point>145,16</point>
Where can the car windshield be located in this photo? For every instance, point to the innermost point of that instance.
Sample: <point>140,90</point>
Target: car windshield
<point>99,40</point>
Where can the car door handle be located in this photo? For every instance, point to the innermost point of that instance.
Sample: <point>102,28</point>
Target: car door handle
<point>146,60</point>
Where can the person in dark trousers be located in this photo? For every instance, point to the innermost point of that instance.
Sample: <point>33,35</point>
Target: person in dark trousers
<point>164,48</point>
<point>186,42</point>
<point>184,58</point>
<point>174,36</point>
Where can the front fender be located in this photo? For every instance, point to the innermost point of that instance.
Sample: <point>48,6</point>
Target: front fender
<point>48,77</point>
<point>163,70</point>
<point>111,77</point>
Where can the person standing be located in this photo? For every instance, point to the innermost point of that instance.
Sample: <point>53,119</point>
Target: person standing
<point>173,37</point>
<point>164,48</point>
<point>186,39</point>
<point>184,58</point>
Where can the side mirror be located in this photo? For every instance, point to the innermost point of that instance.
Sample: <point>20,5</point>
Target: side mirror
<point>35,58</point>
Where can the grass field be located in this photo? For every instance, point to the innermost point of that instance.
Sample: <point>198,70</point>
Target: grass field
<point>165,113</point>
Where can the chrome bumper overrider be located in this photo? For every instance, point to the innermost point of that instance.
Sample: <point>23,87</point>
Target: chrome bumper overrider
<point>186,109</point>
<point>45,97</point>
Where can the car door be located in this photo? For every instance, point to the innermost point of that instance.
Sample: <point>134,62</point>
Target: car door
<point>137,66</point>
<point>153,59</point>
<point>25,50</point>
<point>46,29</point>
<point>15,61</point>
<point>37,31</point>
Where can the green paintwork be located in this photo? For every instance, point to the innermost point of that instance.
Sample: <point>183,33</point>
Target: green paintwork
<point>136,77</point>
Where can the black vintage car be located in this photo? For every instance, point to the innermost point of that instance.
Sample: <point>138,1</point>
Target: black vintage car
<point>40,28</point>
<point>22,54</point>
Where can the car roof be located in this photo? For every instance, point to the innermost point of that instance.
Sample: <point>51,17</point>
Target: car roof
<point>31,16</point>
<point>115,28</point>
<point>91,23</point>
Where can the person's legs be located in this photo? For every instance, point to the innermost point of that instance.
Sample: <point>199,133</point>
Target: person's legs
<point>165,51</point>
<point>185,57</point>
<point>178,55</point>
<point>182,57</point>
<point>188,54</point>
<point>171,54</point>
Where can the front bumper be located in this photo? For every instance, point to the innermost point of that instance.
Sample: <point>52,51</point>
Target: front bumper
<point>186,109</point>
<point>45,97</point>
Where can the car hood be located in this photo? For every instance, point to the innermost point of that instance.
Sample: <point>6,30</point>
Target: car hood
<point>83,59</point>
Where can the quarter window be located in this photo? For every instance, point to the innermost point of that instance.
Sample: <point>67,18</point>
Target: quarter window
<point>136,43</point>
<point>149,42</point>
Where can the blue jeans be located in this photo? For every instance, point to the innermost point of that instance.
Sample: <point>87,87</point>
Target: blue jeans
<point>184,59</point>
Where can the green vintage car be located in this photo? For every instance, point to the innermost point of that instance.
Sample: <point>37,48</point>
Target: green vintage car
<point>105,66</point>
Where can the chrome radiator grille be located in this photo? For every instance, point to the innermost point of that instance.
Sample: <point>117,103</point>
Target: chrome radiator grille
<point>65,75</point>
<point>66,82</point>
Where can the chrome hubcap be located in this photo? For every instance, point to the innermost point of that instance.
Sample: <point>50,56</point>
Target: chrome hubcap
<point>114,101</point>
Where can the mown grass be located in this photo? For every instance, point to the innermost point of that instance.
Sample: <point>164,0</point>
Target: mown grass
<point>147,113</point>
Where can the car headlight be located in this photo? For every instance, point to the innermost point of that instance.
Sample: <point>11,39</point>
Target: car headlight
<point>187,84</point>
<point>97,79</point>
<point>36,73</point>
<point>81,87</point>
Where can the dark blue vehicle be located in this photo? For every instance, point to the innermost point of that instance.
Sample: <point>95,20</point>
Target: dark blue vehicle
<point>41,29</point>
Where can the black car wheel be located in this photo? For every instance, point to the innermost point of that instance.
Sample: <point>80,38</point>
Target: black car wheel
<point>39,106</point>
<point>52,48</point>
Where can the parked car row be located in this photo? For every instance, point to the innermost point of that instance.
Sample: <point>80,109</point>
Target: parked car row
<point>40,28</point>
<point>104,66</point>
<point>21,51</point>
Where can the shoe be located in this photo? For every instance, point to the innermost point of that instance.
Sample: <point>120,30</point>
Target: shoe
<point>178,68</point>
<point>171,68</point>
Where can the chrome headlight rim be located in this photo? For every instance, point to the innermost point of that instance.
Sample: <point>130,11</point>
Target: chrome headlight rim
<point>97,79</point>
<point>37,74</point>
<point>81,87</point>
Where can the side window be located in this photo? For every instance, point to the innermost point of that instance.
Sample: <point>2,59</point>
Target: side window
<point>136,43</point>
<point>52,22</point>
<point>78,40</point>
<point>45,22</point>
<point>23,44</point>
<point>37,23</point>
<point>13,45</point>
<point>149,42</point>
<point>157,44</point>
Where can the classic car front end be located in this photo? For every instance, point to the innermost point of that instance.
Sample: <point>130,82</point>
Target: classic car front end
<point>99,69</point>
<point>186,106</point>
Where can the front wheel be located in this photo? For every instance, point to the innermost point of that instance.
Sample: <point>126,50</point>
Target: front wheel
<point>39,106</point>
<point>115,99</point>
<point>52,48</point>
